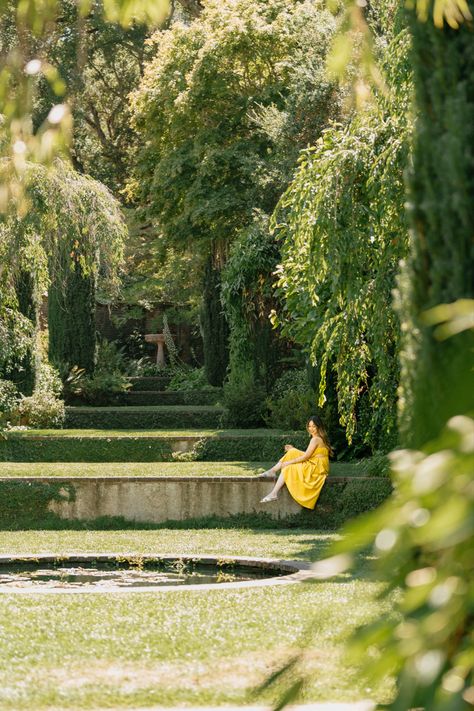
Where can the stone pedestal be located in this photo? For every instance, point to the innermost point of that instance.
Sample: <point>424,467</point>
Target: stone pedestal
<point>159,339</point>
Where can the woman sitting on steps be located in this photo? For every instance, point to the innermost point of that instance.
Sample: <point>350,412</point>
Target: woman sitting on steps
<point>304,473</point>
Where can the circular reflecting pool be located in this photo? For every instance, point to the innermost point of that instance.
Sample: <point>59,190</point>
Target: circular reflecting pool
<point>116,573</point>
<point>66,576</point>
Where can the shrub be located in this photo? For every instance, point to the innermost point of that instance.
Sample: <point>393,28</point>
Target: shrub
<point>187,378</point>
<point>143,367</point>
<point>377,465</point>
<point>107,383</point>
<point>9,398</point>
<point>245,402</point>
<point>110,357</point>
<point>48,379</point>
<point>102,388</point>
<point>291,402</point>
<point>42,410</point>
<point>295,380</point>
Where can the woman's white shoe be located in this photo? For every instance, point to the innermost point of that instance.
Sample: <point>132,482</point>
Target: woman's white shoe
<point>268,498</point>
<point>266,475</point>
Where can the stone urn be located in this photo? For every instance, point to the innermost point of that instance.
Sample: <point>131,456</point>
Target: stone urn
<point>159,339</point>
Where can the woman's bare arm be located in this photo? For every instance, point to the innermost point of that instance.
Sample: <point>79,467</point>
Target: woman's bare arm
<point>314,443</point>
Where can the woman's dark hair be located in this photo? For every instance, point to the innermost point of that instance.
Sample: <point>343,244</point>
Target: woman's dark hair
<point>317,421</point>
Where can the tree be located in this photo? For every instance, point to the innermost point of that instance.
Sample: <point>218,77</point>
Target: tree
<point>343,231</point>
<point>71,238</point>
<point>221,121</point>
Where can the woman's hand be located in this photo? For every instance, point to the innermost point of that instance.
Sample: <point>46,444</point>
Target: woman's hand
<point>287,447</point>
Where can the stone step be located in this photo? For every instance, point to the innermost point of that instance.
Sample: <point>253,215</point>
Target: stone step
<point>160,499</point>
<point>150,382</point>
<point>143,417</point>
<point>87,445</point>
<point>172,397</point>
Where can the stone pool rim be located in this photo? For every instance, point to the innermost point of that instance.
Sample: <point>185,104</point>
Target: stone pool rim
<point>289,572</point>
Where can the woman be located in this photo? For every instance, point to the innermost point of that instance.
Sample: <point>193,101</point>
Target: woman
<point>304,473</point>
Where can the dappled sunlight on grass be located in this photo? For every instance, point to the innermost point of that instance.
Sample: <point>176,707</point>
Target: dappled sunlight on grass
<point>84,651</point>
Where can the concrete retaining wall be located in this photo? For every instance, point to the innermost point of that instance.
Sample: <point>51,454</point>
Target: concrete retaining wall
<point>155,500</point>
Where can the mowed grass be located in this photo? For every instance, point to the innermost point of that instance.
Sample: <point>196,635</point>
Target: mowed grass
<point>196,647</point>
<point>154,469</point>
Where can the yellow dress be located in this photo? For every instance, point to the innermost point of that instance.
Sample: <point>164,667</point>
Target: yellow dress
<point>306,479</point>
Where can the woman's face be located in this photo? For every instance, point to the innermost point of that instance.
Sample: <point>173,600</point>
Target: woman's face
<point>312,429</point>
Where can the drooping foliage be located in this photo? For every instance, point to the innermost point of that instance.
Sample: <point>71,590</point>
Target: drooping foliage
<point>247,295</point>
<point>73,227</point>
<point>343,231</point>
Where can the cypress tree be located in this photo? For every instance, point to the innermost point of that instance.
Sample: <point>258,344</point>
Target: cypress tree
<point>71,319</point>
<point>437,376</point>
<point>215,330</point>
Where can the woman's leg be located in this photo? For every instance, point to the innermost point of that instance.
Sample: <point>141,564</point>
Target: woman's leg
<point>273,470</point>
<point>274,492</point>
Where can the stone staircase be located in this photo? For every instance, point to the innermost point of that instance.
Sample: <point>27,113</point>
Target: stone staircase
<point>154,425</point>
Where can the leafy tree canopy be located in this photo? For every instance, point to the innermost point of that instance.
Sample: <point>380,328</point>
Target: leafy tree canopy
<point>215,103</point>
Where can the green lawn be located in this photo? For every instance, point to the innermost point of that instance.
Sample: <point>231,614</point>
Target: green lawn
<point>197,647</point>
<point>85,469</point>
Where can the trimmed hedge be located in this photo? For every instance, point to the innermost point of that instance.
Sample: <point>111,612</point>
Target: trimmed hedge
<point>172,397</point>
<point>24,505</point>
<point>251,448</point>
<point>85,449</point>
<point>74,448</point>
<point>144,418</point>
<point>150,382</point>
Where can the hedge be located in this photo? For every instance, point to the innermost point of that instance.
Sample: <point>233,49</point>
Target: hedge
<point>150,382</point>
<point>85,449</point>
<point>77,448</point>
<point>172,397</point>
<point>128,418</point>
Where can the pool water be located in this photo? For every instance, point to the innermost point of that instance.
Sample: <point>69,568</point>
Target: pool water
<point>68,575</point>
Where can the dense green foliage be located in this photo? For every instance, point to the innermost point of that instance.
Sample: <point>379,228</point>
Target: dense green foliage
<point>437,377</point>
<point>215,331</point>
<point>223,108</point>
<point>71,319</point>
<point>423,537</point>
<point>247,296</point>
<point>154,417</point>
<point>343,233</point>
